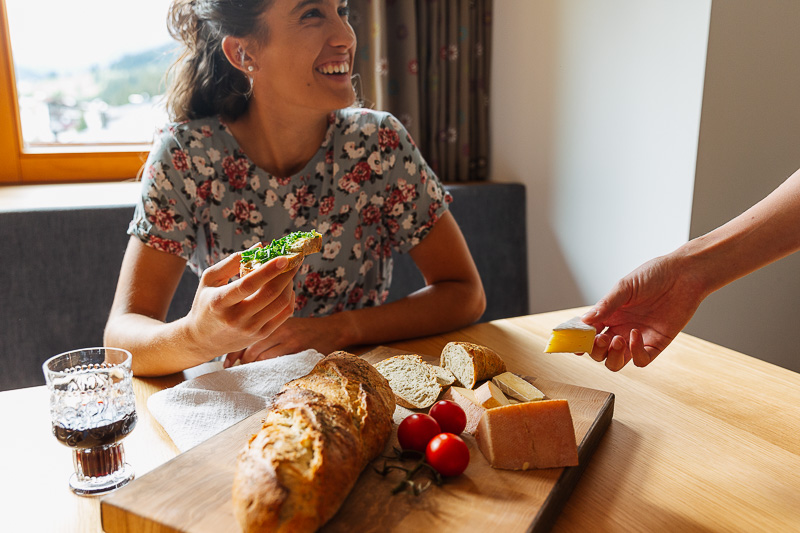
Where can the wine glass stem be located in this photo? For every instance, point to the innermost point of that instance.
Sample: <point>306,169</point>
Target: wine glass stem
<point>99,461</point>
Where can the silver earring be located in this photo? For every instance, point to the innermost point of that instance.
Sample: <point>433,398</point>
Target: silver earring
<point>250,68</point>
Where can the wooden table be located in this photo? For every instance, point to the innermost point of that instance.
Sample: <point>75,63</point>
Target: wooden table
<point>704,439</point>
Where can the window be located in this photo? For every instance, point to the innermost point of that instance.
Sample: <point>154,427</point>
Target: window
<point>82,86</point>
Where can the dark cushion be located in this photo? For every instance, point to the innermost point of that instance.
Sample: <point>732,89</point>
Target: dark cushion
<point>60,276</point>
<point>492,218</point>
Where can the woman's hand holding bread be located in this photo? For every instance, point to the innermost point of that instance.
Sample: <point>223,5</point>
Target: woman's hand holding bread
<point>225,317</point>
<point>231,316</point>
<point>324,334</point>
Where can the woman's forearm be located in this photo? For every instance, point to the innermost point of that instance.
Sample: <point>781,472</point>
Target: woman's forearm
<point>158,348</point>
<point>761,235</point>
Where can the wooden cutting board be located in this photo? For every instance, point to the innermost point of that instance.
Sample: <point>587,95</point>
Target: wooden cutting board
<point>192,492</point>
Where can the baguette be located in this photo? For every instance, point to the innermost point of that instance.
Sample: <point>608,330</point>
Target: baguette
<point>471,363</point>
<point>319,434</point>
<point>296,246</point>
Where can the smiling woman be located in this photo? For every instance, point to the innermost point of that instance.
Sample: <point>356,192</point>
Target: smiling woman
<point>265,141</point>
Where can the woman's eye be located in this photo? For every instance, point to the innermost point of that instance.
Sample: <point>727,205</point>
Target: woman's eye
<point>344,11</point>
<point>311,14</point>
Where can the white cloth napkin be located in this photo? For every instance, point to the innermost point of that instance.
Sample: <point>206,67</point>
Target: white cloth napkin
<point>199,408</point>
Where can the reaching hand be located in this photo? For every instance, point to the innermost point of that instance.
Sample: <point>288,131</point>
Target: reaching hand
<point>231,316</point>
<point>643,313</point>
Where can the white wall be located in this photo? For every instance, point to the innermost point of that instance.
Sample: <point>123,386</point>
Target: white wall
<point>750,143</point>
<point>596,108</point>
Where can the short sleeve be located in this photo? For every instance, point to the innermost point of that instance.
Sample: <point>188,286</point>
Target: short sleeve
<point>415,199</point>
<point>163,214</point>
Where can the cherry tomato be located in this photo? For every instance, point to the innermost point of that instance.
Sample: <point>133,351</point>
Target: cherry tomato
<point>416,431</point>
<point>448,454</point>
<point>450,415</point>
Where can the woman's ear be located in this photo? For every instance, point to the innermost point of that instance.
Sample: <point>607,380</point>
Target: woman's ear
<point>235,51</point>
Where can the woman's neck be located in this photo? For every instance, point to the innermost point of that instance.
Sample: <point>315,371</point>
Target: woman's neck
<point>280,143</point>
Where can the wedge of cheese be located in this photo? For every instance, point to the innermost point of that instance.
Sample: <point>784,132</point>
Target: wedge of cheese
<point>465,398</point>
<point>515,387</point>
<point>573,336</point>
<point>489,395</point>
<point>528,435</point>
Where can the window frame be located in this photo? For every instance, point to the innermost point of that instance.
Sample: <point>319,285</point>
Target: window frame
<point>63,164</point>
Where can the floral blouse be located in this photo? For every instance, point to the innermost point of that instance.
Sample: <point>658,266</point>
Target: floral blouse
<point>367,190</point>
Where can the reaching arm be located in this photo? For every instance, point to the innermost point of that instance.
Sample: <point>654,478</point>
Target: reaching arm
<point>647,308</point>
<point>224,316</point>
<point>452,297</point>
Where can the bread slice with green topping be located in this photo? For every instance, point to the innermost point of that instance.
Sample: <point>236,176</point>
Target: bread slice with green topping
<point>295,245</point>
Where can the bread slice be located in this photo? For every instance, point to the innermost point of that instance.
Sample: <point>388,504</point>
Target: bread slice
<point>296,246</point>
<point>413,381</point>
<point>443,376</point>
<point>471,363</point>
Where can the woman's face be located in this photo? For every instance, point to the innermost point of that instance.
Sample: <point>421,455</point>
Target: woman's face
<point>307,58</point>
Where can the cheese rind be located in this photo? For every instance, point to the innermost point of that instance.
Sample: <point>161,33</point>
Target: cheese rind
<point>517,388</point>
<point>489,395</point>
<point>528,435</point>
<point>465,398</point>
<point>572,336</point>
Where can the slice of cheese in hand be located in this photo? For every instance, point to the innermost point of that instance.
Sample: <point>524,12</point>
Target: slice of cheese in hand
<point>528,435</point>
<point>573,336</point>
<point>517,388</point>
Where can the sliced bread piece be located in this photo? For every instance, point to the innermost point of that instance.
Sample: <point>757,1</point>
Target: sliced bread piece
<point>295,246</point>
<point>412,380</point>
<point>444,376</point>
<point>471,363</point>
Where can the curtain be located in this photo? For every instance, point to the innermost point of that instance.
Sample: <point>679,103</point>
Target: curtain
<point>427,63</point>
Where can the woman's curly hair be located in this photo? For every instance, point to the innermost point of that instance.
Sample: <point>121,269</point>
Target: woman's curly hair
<point>202,82</point>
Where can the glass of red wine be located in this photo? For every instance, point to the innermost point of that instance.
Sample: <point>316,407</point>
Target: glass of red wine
<point>92,408</point>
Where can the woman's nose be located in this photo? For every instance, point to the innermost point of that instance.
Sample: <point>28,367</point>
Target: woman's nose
<point>343,34</point>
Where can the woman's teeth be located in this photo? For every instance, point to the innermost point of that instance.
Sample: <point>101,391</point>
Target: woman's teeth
<point>340,68</point>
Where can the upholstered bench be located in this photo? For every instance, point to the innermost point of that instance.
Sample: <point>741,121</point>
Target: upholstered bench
<point>60,270</point>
